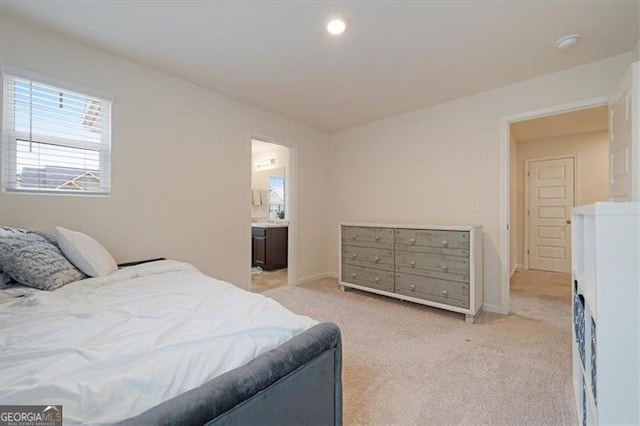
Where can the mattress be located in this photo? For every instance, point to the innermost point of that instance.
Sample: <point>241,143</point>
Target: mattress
<point>110,348</point>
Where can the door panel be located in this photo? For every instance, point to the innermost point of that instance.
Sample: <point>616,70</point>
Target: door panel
<point>623,135</point>
<point>551,197</point>
<point>259,252</point>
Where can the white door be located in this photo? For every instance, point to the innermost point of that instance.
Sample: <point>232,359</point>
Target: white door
<point>623,134</point>
<point>551,197</point>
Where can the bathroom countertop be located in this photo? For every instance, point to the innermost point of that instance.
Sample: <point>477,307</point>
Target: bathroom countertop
<point>279,224</point>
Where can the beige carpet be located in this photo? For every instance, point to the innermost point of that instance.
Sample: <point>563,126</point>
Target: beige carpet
<point>410,364</point>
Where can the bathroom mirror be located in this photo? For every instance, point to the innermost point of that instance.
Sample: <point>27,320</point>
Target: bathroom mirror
<point>268,194</point>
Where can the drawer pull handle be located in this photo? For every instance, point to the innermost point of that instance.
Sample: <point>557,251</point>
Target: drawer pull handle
<point>445,243</point>
<point>355,255</point>
<point>412,287</point>
<point>445,268</point>
<point>377,237</point>
<point>354,236</point>
<point>376,259</point>
<point>354,275</point>
<point>445,293</point>
<point>377,279</point>
<point>412,240</point>
<point>413,264</point>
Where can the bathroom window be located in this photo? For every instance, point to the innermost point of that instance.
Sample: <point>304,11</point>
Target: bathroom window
<point>276,197</point>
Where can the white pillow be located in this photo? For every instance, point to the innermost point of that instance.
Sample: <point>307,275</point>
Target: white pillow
<point>86,253</point>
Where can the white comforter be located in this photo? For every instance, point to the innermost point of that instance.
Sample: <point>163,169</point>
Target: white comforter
<point>112,347</point>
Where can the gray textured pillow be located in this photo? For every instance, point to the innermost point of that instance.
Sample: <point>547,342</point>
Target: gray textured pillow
<point>31,260</point>
<point>51,236</point>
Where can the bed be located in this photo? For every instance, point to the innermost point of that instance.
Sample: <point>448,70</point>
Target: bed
<point>160,343</point>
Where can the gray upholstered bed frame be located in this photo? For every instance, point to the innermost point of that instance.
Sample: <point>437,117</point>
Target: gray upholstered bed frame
<point>297,383</point>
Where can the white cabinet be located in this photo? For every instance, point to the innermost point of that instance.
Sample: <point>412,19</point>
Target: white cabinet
<point>606,315</point>
<point>432,265</point>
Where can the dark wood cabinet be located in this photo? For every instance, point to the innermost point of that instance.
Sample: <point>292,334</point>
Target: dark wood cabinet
<point>269,247</point>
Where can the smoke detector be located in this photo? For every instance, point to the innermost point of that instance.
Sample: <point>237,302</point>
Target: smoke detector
<point>567,41</point>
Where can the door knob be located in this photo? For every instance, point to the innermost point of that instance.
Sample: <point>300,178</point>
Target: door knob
<point>568,221</point>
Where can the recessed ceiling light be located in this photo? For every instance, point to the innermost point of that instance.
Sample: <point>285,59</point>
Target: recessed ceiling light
<point>567,41</point>
<point>336,26</point>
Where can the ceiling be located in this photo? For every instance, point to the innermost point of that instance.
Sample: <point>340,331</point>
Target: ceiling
<point>394,56</point>
<point>569,123</point>
<point>258,146</point>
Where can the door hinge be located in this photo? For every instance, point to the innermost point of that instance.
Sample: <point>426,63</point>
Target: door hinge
<point>528,252</point>
<point>527,212</point>
<point>528,173</point>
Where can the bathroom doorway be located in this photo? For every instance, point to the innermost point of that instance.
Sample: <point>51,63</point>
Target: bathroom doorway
<point>270,215</point>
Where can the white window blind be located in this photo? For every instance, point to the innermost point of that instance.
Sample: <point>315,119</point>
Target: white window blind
<point>55,140</point>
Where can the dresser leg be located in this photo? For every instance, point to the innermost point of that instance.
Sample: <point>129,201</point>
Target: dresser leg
<point>470,319</point>
<point>343,288</point>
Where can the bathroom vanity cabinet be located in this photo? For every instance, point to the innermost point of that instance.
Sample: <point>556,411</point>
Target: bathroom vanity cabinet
<point>269,246</point>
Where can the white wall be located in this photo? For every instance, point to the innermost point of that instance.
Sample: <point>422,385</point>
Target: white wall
<point>430,166</point>
<point>592,171</point>
<point>181,165</point>
<point>637,49</point>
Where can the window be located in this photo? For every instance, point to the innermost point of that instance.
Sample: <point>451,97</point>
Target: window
<point>276,197</point>
<point>54,140</point>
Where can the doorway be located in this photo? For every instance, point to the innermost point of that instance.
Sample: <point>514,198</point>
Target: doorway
<point>556,161</point>
<point>271,179</point>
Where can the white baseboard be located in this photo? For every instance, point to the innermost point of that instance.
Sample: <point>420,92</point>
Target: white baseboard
<point>516,268</point>
<point>316,277</point>
<point>492,308</point>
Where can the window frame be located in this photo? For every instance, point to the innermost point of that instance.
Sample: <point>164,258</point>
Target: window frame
<point>11,136</point>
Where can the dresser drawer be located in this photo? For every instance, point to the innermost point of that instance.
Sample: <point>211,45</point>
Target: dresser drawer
<point>433,262</point>
<point>442,291</point>
<point>463,278</point>
<point>374,278</point>
<point>368,257</point>
<point>433,250</point>
<point>432,238</point>
<point>368,236</point>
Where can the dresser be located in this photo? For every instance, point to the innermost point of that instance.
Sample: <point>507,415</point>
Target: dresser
<point>605,266</point>
<point>432,265</point>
